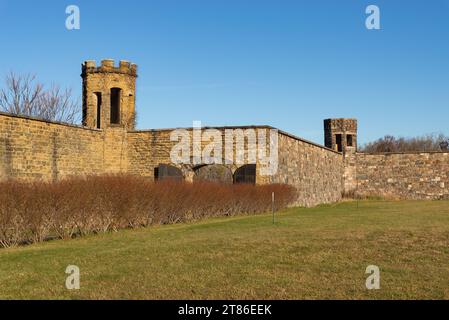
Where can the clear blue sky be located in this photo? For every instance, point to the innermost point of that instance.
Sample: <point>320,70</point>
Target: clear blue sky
<point>289,64</point>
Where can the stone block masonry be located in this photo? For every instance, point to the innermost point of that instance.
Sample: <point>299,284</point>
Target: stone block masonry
<point>315,171</point>
<point>35,149</point>
<point>404,175</point>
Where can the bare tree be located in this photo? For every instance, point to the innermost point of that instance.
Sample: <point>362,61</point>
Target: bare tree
<point>24,95</point>
<point>392,144</point>
<point>444,145</point>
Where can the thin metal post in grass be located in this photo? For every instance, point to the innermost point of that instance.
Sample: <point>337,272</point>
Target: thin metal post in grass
<point>272,205</point>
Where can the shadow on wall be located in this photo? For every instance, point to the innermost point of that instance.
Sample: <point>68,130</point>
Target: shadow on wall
<point>54,157</point>
<point>6,158</point>
<point>217,173</point>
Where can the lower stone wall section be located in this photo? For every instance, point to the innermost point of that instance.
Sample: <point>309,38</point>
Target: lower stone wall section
<point>315,171</point>
<point>404,175</point>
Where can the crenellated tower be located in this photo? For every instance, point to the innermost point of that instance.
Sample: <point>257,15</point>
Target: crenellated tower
<point>109,94</point>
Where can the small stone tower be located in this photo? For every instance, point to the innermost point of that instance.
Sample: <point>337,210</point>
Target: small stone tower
<point>340,134</point>
<point>109,94</point>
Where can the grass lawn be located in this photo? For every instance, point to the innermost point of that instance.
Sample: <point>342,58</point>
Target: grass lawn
<point>318,253</point>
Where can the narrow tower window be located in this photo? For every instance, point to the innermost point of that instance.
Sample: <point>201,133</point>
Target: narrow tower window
<point>115,105</point>
<point>338,142</point>
<point>349,140</point>
<point>98,96</point>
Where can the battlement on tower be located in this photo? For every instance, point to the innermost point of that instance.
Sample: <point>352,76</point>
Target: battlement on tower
<point>108,66</point>
<point>109,93</point>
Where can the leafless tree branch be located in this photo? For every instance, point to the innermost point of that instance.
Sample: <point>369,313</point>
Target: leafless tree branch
<point>431,142</point>
<point>24,95</point>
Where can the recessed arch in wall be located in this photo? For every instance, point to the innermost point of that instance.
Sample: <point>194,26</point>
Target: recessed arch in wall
<point>245,174</point>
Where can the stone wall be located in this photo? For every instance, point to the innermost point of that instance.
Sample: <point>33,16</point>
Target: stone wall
<point>314,170</point>
<point>350,171</point>
<point>35,149</point>
<point>404,175</point>
<point>39,150</point>
<point>150,148</point>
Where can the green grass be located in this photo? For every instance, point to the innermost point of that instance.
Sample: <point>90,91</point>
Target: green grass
<point>318,253</point>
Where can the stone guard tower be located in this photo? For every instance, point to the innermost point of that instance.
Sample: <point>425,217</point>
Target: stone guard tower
<point>109,94</point>
<point>341,135</point>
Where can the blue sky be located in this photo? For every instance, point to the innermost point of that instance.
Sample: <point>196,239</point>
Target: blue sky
<point>289,64</point>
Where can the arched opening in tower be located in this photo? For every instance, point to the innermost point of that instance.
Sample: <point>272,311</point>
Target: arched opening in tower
<point>349,140</point>
<point>98,98</point>
<point>115,105</point>
<point>339,142</point>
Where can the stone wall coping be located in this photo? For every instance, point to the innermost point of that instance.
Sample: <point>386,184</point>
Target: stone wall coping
<point>403,153</point>
<point>307,141</point>
<point>65,124</point>
<point>207,127</point>
<point>243,127</point>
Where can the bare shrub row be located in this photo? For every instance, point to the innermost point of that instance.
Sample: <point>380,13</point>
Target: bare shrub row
<point>32,212</point>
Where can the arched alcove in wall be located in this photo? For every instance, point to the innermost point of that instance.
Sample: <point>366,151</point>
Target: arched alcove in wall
<point>168,172</point>
<point>213,173</point>
<point>245,174</point>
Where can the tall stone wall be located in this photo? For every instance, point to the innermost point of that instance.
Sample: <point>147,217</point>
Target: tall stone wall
<point>315,171</point>
<point>404,175</point>
<point>39,150</point>
<point>35,149</point>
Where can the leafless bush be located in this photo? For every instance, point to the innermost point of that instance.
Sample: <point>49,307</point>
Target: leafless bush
<point>34,212</point>
<point>392,144</point>
<point>24,95</point>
